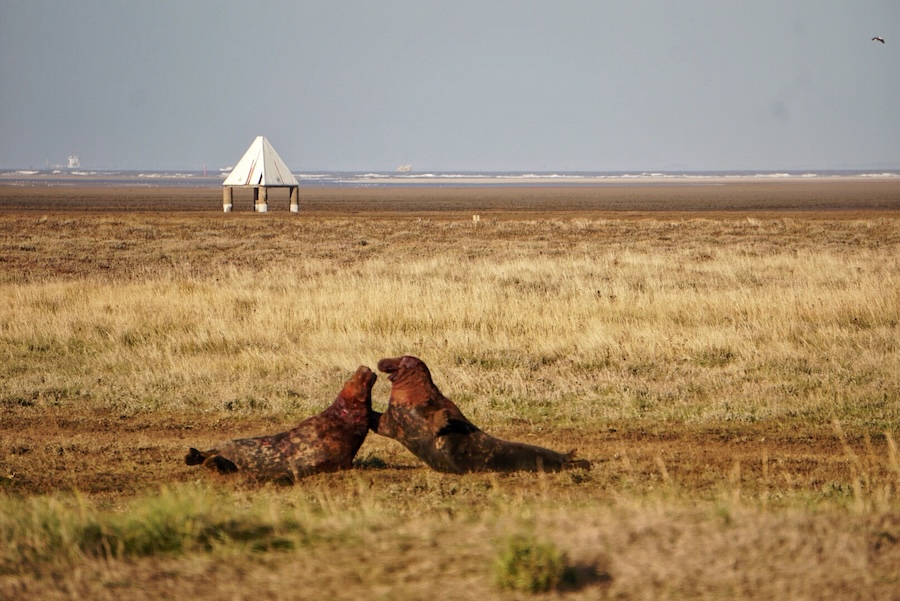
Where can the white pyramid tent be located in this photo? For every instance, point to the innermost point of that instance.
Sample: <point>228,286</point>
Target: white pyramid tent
<point>260,166</point>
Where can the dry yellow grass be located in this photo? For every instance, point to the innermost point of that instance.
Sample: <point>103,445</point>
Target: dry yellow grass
<point>735,382</point>
<point>660,328</point>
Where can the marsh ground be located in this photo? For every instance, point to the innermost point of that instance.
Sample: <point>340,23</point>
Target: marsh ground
<point>725,355</point>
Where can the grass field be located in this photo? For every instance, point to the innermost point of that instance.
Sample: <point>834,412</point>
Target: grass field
<point>732,374</point>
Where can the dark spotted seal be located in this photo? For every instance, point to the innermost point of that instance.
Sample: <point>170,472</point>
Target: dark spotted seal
<point>433,428</point>
<point>326,442</point>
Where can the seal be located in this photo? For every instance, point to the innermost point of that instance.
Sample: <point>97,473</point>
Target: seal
<point>434,429</point>
<point>325,442</point>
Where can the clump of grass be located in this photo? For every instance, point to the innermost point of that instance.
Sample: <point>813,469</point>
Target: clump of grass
<point>181,521</point>
<point>528,565</point>
<point>46,529</point>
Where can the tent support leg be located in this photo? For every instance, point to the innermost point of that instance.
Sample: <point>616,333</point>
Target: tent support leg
<point>227,198</point>
<point>261,199</point>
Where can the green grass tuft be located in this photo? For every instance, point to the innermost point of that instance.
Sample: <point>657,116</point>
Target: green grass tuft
<point>174,521</point>
<point>527,565</point>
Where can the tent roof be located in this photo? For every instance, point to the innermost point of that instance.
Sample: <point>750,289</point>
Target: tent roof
<point>260,166</point>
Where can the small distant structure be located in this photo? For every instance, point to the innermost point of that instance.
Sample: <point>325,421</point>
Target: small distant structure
<point>260,168</point>
<point>74,162</point>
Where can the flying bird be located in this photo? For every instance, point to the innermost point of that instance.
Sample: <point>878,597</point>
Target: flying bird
<point>878,39</point>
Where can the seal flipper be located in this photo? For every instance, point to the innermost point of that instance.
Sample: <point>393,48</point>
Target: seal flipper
<point>382,423</point>
<point>455,426</point>
<point>374,421</point>
<point>442,424</point>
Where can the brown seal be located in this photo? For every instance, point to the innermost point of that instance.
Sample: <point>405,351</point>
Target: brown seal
<point>326,442</point>
<point>433,428</point>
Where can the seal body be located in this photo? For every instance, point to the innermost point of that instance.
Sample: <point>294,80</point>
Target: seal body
<point>326,442</point>
<point>434,429</point>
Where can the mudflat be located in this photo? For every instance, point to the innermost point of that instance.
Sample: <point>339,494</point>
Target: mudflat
<point>839,197</point>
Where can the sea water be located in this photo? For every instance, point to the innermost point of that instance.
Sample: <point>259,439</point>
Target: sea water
<point>201,179</point>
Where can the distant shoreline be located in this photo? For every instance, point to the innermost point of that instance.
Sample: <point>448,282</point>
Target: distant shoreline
<point>201,179</point>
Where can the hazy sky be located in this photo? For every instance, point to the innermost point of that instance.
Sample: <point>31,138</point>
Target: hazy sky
<point>454,85</point>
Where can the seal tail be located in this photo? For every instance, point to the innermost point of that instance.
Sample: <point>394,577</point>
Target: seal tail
<point>210,459</point>
<point>572,463</point>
